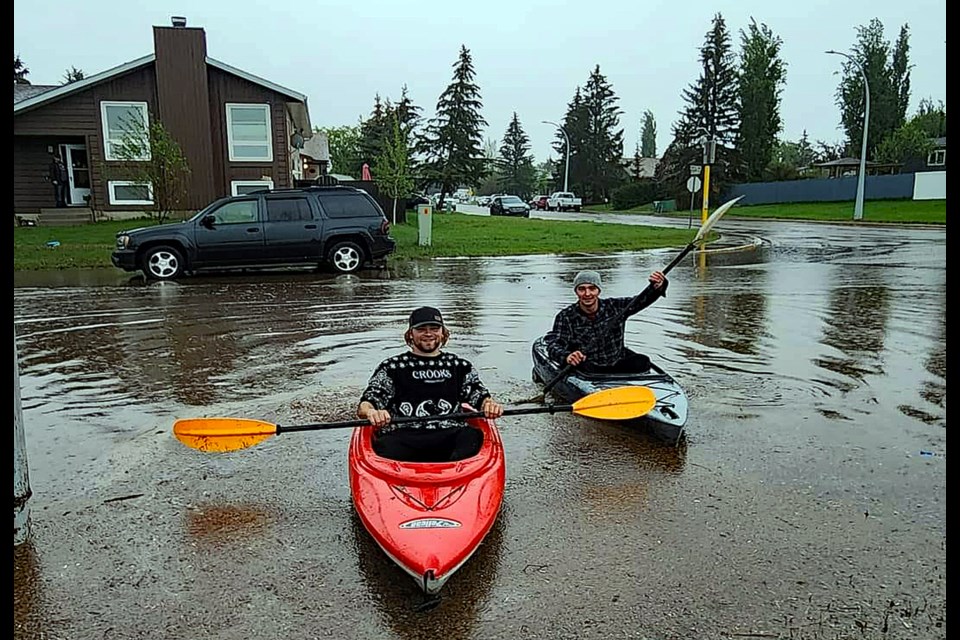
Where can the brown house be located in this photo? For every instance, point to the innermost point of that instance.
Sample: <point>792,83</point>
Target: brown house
<point>238,132</point>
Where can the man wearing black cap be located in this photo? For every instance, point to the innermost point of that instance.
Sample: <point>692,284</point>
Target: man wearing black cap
<point>425,381</point>
<point>589,333</point>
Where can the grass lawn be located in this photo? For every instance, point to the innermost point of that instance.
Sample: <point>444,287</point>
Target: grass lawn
<point>453,234</point>
<point>886,211</point>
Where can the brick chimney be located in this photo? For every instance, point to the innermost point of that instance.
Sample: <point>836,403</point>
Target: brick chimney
<point>183,101</point>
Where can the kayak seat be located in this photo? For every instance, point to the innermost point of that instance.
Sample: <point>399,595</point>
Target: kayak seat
<point>429,445</point>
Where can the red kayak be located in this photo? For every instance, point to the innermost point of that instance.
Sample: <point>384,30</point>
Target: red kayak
<point>428,517</point>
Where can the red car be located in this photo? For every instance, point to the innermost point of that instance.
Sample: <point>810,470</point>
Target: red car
<point>539,203</point>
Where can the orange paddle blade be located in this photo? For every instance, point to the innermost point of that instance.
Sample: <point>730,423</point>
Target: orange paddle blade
<point>619,403</point>
<point>222,434</point>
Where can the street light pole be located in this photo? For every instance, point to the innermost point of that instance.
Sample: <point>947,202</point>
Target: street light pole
<point>566,169</point>
<point>858,207</point>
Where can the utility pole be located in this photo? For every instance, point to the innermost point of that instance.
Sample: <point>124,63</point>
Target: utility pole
<point>862,175</point>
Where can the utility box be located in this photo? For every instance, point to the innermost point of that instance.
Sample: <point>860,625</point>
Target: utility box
<point>425,224</point>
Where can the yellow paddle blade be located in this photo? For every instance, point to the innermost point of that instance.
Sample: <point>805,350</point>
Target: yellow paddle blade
<point>619,403</point>
<point>222,434</point>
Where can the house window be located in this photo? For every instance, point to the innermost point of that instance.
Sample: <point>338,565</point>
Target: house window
<point>125,122</point>
<point>937,158</point>
<point>243,187</point>
<point>248,133</point>
<point>126,192</point>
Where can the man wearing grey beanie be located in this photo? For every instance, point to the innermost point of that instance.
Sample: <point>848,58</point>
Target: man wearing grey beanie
<point>589,334</point>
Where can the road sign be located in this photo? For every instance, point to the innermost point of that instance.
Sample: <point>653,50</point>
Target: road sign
<point>693,184</point>
<point>695,169</point>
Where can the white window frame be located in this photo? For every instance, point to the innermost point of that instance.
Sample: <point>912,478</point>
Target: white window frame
<point>113,184</point>
<point>236,184</point>
<point>936,154</point>
<point>230,143</point>
<point>107,149</point>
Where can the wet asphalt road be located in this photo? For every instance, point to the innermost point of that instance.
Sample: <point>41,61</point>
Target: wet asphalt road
<point>798,507</point>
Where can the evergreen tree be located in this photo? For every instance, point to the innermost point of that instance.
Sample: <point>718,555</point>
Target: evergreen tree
<point>637,165</point>
<point>452,140</point>
<point>373,132</point>
<point>516,173</point>
<point>762,77</point>
<point>72,75</point>
<point>805,153</point>
<point>409,118</point>
<point>648,136</point>
<point>712,110</point>
<point>20,71</point>
<point>889,83</point>
<point>575,124</point>
<point>596,142</point>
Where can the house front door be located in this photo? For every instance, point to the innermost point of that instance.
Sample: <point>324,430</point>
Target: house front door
<point>78,168</point>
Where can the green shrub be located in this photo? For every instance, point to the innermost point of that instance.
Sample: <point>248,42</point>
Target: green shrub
<point>634,194</point>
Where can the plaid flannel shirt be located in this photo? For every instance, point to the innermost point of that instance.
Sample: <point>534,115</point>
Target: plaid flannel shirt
<point>601,338</point>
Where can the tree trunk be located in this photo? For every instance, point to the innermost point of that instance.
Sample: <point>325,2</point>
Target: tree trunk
<point>394,211</point>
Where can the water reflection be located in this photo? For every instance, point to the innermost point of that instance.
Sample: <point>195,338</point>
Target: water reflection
<point>855,325</point>
<point>401,603</point>
<point>806,319</point>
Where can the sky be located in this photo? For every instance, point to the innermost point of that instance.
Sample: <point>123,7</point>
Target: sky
<point>529,55</point>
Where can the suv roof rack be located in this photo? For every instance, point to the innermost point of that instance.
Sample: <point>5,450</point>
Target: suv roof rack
<point>313,187</point>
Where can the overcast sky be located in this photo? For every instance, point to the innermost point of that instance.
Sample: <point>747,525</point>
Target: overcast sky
<point>529,55</point>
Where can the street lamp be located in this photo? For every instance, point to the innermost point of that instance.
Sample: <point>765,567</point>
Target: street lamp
<point>858,207</point>
<point>566,169</point>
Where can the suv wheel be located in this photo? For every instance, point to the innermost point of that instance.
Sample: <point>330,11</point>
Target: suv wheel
<point>162,263</point>
<point>346,256</point>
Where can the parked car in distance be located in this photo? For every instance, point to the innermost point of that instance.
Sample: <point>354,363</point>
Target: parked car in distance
<point>416,199</point>
<point>539,202</point>
<point>509,206</point>
<point>563,201</point>
<point>323,226</point>
<point>484,201</point>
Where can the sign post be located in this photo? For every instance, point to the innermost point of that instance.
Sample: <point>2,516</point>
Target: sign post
<point>693,185</point>
<point>424,224</point>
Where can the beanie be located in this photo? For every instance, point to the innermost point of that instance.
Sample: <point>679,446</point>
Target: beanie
<point>587,277</point>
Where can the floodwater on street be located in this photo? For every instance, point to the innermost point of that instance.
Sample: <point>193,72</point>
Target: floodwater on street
<point>808,499</point>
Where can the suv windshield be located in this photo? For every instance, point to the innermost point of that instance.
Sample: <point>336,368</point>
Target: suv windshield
<point>511,200</point>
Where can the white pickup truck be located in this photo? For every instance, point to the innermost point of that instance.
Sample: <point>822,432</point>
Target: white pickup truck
<point>563,201</point>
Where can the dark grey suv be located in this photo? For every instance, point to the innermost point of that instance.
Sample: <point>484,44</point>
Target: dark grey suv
<point>336,226</point>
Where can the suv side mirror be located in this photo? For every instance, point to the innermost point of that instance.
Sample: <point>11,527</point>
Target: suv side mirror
<point>208,221</point>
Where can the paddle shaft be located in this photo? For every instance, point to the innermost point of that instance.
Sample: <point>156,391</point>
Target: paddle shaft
<point>463,415</point>
<point>569,367</point>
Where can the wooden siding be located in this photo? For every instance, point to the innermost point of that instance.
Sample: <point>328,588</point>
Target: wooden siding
<point>184,101</point>
<point>224,88</point>
<point>75,119</point>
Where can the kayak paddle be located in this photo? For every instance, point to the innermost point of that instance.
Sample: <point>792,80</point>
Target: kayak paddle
<point>231,434</point>
<point>704,229</point>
